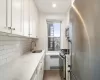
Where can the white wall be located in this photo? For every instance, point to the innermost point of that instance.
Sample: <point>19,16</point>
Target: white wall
<point>42,42</point>
<point>65,22</point>
<point>42,32</point>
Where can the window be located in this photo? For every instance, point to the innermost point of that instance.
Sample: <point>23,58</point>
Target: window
<point>53,35</point>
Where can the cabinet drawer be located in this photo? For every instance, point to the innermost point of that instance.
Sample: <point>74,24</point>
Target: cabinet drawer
<point>34,77</point>
<point>38,74</point>
<point>39,66</point>
<point>41,63</point>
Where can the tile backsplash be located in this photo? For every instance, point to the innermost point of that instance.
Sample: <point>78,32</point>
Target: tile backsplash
<point>13,47</point>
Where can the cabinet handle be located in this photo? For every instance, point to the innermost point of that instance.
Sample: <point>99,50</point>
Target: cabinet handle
<point>9,28</point>
<point>29,34</point>
<point>13,28</point>
<point>41,68</point>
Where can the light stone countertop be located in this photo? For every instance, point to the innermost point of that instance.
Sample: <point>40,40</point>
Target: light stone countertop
<point>22,68</point>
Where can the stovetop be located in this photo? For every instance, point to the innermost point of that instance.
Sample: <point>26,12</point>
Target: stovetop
<point>64,52</point>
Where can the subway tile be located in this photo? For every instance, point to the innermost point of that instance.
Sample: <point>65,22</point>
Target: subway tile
<point>3,61</point>
<point>12,48</point>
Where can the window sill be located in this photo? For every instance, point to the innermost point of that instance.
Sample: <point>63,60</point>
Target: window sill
<point>52,53</point>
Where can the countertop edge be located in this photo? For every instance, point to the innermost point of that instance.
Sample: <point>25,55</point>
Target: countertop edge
<point>16,68</point>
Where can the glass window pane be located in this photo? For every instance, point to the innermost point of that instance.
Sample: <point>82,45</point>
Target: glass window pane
<point>56,29</point>
<point>50,29</point>
<point>54,43</point>
<point>51,44</point>
<point>53,36</point>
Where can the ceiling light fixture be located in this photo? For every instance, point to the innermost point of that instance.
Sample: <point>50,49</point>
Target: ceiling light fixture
<point>54,5</point>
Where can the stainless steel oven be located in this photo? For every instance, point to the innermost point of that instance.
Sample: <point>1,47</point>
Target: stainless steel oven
<point>62,63</point>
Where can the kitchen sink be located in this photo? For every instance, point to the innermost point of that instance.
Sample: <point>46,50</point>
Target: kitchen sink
<point>37,51</point>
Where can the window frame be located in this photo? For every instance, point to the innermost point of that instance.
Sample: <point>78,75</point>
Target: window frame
<point>53,21</point>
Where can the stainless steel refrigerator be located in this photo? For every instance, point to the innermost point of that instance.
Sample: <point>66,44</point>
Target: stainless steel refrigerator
<point>85,18</point>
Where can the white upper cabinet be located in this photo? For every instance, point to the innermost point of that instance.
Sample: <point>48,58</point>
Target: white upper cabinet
<point>26,17</point>
<point>22,17</point>
<point>16,16</point>
<point>19,17</point>
<point>9,14</point>
<point>33,19</point>
<point>3,16</point>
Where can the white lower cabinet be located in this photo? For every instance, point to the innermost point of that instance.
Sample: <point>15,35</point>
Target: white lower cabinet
<point>38,74</point>
<point>34,77</point>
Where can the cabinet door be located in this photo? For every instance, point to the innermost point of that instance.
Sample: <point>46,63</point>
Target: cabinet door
<point>41,71</point>
<point>39,75</point>
<point>26,17</point>
<point>34,77</point>
<point>33,19</point>
<point>9,15</point>
<point>16,17</point>
<point>3,15</point>
<point>36,22</point>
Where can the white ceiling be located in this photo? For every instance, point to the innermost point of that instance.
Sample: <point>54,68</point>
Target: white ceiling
<point>46,6</point>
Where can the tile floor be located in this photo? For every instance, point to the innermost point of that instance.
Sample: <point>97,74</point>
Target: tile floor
<point>52,75</point>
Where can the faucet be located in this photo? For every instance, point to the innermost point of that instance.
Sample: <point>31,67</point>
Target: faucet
<point>33,44</point>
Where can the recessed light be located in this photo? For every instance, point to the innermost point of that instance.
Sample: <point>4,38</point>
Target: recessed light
<point>54,5</point>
